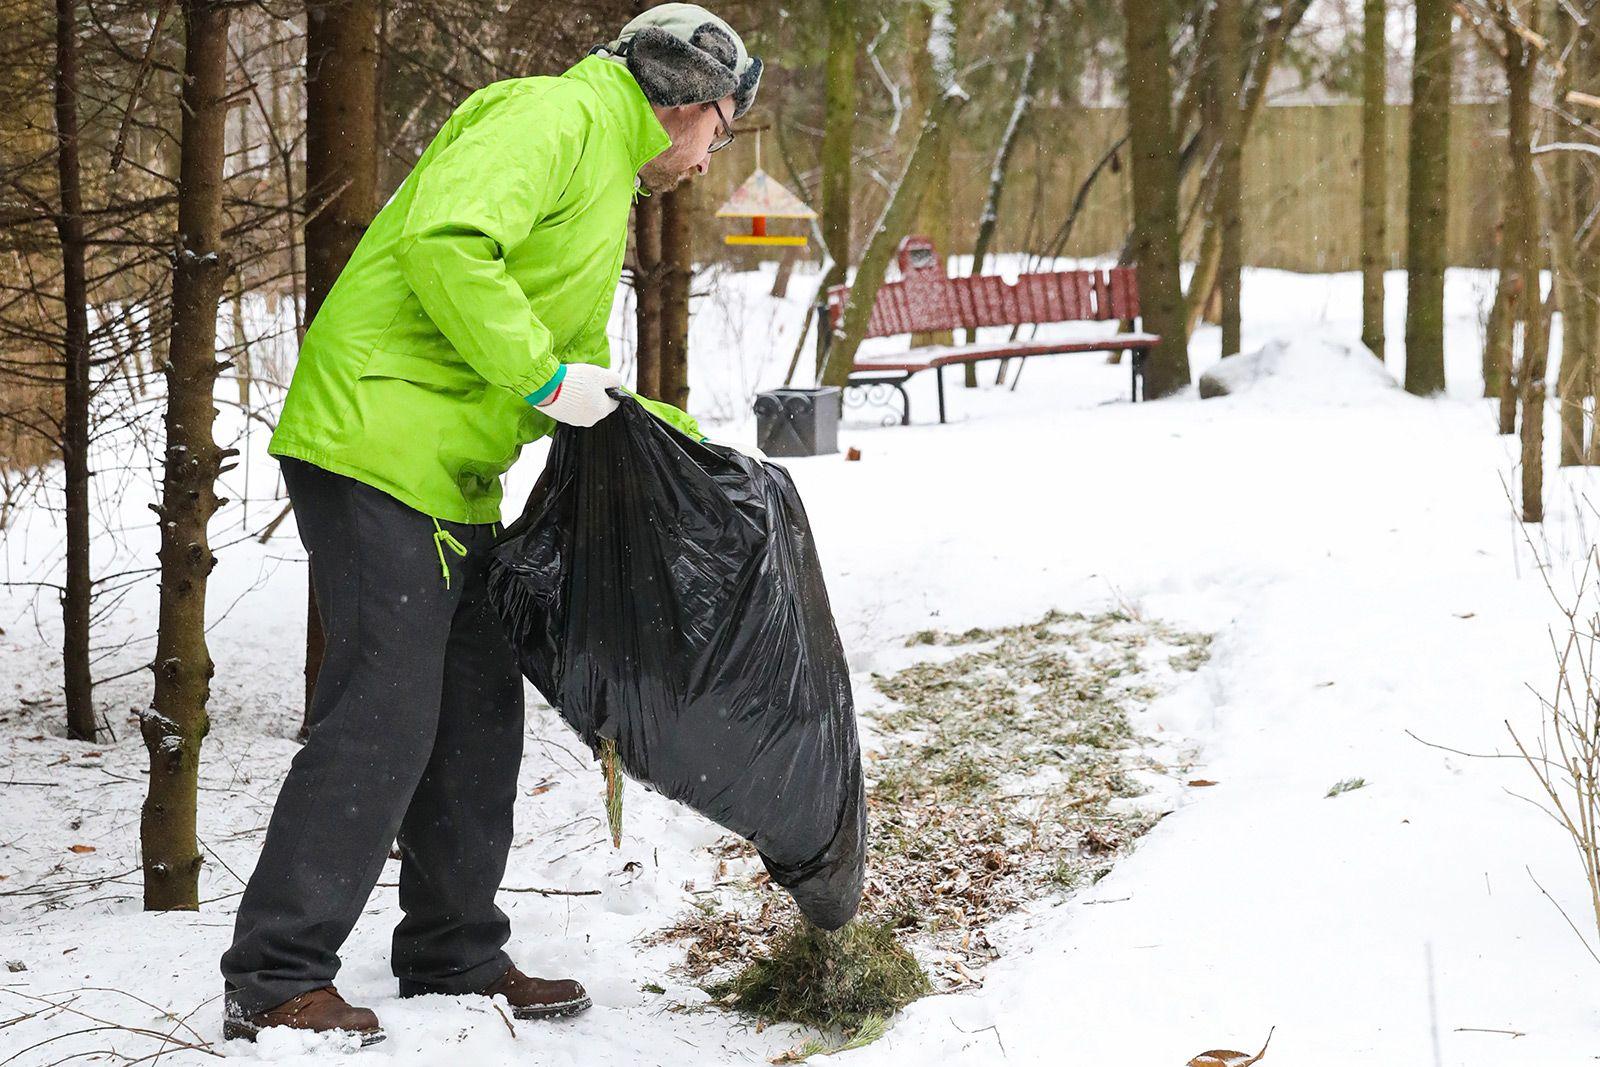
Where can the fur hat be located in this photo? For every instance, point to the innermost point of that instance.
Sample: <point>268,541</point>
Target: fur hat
<point>683,54</point>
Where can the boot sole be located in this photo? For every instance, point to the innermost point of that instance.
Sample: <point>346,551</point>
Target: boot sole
<point>239,1030</point>
<point>552,1011</point>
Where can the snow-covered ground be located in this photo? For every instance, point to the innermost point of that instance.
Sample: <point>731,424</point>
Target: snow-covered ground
<point>1356,555</point>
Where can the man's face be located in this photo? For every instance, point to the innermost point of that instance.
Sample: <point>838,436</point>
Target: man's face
<point>693,129</point>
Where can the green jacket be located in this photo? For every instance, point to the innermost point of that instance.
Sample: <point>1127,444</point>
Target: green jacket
<point>494,262</point>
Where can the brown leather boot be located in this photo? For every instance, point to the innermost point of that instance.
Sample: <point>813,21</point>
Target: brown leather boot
<point>318,1010</point>
<point>539,998</point>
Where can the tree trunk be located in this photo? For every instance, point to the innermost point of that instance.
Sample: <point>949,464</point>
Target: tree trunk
<point>176,722</point>
<point>241,344</point>
<point>341,179</point>
<point>838,138</point>
<point>647,289</point>
<point>1202,294</point>
<point>1427,198</point>
<point>1587,266</point>
<point>932,219</point>
<point>1567,205</point>
<point>677,265</point>
<point>1229,204</point>
<point>780,280</point>
<point>1374,174</point>
<point>77,681</point>
<point>1520,63</point>
<point>897,215</point>
<point>1575,309</point>
<point>989,221</point>
<point>1155,192</point>
<point>1502,313</point>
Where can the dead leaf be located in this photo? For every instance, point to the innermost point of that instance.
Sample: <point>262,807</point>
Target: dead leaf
<point>853,455</point>
<point>1229,1058</point>
<point>1201,781</point>
<point>81,849</point>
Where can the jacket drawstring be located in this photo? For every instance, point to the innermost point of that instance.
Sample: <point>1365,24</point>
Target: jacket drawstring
<point>442,537</point>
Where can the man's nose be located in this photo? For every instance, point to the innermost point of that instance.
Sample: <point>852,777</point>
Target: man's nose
<point>703,166</point>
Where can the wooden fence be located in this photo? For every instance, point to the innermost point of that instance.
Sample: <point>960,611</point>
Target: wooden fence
<point>1302,186</point>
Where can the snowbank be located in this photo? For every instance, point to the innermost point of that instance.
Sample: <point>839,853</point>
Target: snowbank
<point>1314,367</point>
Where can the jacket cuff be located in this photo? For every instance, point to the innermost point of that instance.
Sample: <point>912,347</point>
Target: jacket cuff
<point>545,391</point>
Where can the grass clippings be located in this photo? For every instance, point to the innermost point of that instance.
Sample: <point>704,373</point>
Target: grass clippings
<point>1005,768</point>
<point>829,981</point>
<point>1344,785</point>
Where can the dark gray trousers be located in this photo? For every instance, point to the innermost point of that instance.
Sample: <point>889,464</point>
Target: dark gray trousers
<point>415,737</point>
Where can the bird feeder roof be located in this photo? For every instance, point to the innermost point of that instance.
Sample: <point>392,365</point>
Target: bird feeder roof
<point>763,197</point>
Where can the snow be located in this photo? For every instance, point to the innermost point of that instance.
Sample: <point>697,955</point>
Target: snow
<point>1309,369</point>
<point>1378,611</point>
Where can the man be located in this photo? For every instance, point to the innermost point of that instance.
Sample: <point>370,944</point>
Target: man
<point>469,321</point>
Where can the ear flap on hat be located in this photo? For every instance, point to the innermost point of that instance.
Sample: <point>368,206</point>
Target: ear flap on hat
<point>744,93</point>
<point>673,72</point>
<point>710,37</point>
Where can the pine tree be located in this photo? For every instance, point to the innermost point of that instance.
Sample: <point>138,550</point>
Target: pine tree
<point>341,179</point>
<point>176,722</point>
<point>78,686</point>
<point>677,266</point>
<point>647,289</point>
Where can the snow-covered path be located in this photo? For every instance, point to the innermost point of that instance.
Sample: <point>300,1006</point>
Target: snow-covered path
<point>1357,567</point>
<point>1360,565</point>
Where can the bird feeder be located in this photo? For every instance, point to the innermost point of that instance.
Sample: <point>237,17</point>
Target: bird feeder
<point>760,198</point>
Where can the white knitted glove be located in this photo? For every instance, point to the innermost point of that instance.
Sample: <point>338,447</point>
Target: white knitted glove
<point>749,450</point>
<point>580,399</point>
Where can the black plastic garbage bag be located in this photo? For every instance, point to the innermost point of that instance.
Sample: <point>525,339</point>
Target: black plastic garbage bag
<point>666,595</point>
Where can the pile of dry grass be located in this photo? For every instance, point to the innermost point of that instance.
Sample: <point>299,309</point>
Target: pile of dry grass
<point>843,981</point>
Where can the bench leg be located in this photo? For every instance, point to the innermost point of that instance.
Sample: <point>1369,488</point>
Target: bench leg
<point>1016,375</point>
<point>871,392</point>
<point>939,372</point>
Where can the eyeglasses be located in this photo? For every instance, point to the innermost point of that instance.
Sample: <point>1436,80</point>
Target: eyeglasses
<point>721,142</point>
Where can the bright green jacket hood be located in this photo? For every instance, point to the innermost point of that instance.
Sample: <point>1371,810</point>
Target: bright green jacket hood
<point>494,262</point>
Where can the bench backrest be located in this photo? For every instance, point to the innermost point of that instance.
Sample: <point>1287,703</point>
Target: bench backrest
<point>927,299</point>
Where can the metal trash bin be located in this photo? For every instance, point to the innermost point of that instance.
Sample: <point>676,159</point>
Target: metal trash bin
<point>798,422</point>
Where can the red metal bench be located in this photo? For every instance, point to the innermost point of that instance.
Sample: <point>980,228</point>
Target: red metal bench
<point>926,299</point>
